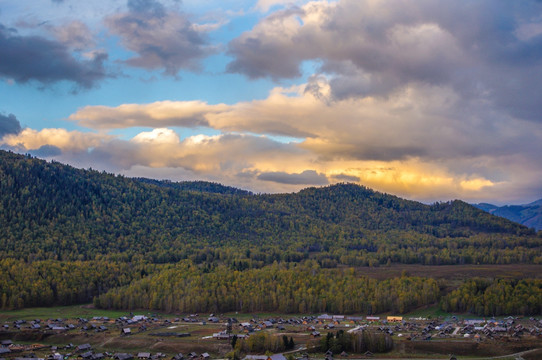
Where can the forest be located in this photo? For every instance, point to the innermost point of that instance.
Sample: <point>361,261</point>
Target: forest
<point>72,236</point>
<point>496,297</point>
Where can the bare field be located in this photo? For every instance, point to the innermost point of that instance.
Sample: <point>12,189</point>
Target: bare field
<point>453,272</point>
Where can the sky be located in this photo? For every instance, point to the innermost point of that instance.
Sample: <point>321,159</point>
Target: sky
<point>428,100</point>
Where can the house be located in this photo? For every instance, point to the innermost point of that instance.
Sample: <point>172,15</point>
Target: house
<point>83,348</point>
<point>144,355</point>
<point>179,356</point>
<point>473,322</point>
<point>355,318</point>
<point>126,331</point>
<point>277,357</point>
<point>267,325</point>
<point>373,318</point>
<point>394,318</point>
<point>98,356</point>
<point>86,355</point>
<point>221,335</point>
<point>123,356</point>
<point>256,357</point>
<point>205,356</point>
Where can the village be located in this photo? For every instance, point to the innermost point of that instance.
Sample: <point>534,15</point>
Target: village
<point>197,337</point>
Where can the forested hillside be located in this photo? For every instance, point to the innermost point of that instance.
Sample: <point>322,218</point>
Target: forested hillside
<point>53,215</point>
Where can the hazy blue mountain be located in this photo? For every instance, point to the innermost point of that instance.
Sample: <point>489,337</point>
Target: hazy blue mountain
<point>529,215</point>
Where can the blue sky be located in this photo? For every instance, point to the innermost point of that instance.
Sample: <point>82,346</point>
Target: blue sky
<point>426,100</point>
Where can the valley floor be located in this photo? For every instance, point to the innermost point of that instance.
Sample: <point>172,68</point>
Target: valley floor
<point>62,329</point>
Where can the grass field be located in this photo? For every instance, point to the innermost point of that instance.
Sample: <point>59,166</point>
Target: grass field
<point>64,312</point>
<point>453,272</point>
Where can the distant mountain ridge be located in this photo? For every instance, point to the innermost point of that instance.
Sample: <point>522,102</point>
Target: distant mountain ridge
<point>529,215</point>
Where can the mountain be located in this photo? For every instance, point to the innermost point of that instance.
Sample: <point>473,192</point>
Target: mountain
<point>51,210</point>
<point>529,215</point>
<point>202,186</point>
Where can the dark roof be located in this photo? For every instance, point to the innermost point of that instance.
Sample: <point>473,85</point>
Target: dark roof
<point>123,356</point>
<point>83,347</point>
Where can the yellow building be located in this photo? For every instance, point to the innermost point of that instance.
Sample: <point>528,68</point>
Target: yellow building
<point>395,318</point>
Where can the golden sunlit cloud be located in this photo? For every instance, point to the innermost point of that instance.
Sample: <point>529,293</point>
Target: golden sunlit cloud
<point>398,144</point>
<point>30,139</point>
<point>475,184</point>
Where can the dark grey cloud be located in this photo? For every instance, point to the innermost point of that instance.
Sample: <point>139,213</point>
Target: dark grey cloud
<point>46,151</point>
<point>346,178</point>
<point>35,58</point>
<point>257,57</point>
<point>307,177</point>
<point>162,38</point>
<point>389,153</point>
<point>9,125</point>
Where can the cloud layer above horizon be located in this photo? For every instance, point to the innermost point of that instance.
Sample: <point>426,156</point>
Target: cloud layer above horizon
<point>425,100</point>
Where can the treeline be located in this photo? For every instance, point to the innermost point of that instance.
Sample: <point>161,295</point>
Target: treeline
<point>47,283</point>
<point>496,297</point>
<point>285,288</point>
<point>53,211</point>
<point>358,342</point>
<point>261,342</point>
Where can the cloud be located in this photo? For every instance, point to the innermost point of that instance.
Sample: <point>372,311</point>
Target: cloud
<point>71,141</point>
<point>9,125</point>
<point>426,122</point>
<point>307,177</point>
<point>157,114</point>
<point>488,52</point>
<point>265,5</point>
<point>346,178</point>
<point>75,35</point>
<point>161,136</point>
<point>46,151</point>
<point>35,58</point>
<point>421,141</point>
<point>258,163</point>
<point>162,38</point>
